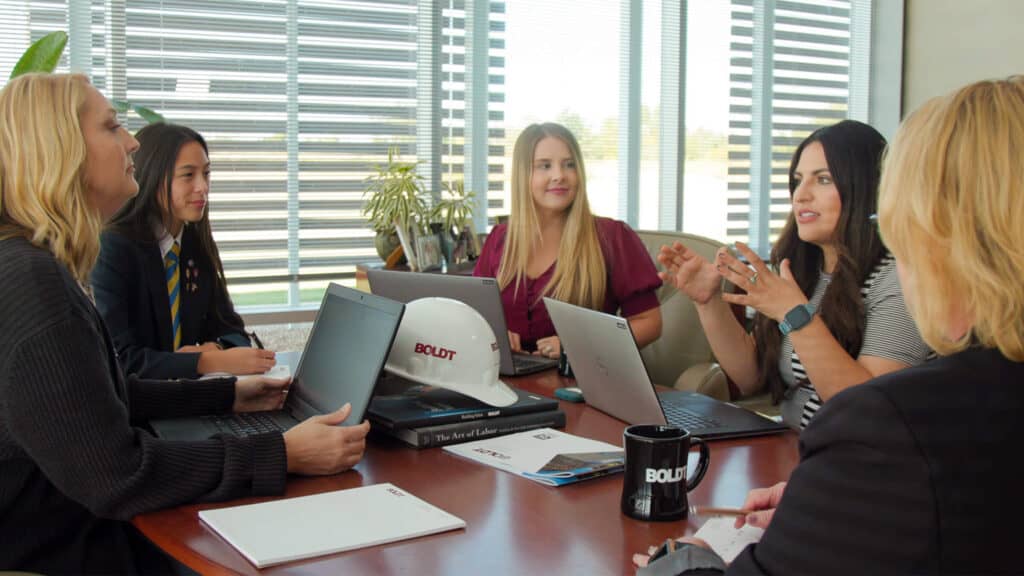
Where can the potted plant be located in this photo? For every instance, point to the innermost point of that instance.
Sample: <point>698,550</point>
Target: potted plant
<point>453,214</point>
<point>44,55</point>
<point>395,203</point>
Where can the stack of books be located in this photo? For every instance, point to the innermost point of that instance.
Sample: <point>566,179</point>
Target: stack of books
<point>424,417</point>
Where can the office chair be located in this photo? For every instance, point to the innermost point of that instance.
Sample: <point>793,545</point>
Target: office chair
<point>681,357</point>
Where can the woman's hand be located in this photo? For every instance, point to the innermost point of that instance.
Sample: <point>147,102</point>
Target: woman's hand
<point>259,393</point>
<point>763,501</point>
<point>641,560</point>
<point>769,293</point>
<point>514,342</point>
<point>318,446</point>
<point>689,273</point>
<point>550,347</point>
<point>236,361</point>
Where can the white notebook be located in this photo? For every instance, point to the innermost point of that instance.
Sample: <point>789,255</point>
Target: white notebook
<point>296,528</point>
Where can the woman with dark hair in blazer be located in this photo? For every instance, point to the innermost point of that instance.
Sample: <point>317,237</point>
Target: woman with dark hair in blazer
<point>159,282</point>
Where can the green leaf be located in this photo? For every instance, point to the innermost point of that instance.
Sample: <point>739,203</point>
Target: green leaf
<point>150,116</point>
<point>43,55</point>
<point>147,114</point>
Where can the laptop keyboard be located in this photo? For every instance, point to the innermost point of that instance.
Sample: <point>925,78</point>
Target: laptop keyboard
<point>529,361</point>
<point>688,419</point>
<point>245,424</point>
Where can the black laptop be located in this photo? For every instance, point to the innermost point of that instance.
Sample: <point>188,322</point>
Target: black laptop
<point>346,349</point>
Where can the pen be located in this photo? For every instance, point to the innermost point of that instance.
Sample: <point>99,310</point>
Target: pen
<point>714,511</point>
<point>256,339</point>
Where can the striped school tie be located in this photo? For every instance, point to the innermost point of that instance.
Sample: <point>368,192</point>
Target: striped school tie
<point>173,291</point>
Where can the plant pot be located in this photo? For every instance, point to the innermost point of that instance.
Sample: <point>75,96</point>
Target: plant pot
<point>385,243</point>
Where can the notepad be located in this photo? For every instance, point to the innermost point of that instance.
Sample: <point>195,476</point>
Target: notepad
<point>297,528</point>
<point>726,540</point>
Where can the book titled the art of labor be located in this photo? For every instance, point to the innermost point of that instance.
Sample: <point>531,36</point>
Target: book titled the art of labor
<point>296,528</point>
<point>546,455</point>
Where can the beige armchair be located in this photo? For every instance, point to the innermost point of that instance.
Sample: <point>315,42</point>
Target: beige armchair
<point>681,357</point>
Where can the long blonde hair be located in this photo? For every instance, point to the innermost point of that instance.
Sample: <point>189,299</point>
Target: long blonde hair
<point>579,277</point>
<point>42,169</point>
<point>951,209</point>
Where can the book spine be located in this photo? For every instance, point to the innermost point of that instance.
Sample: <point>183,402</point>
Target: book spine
<point>430,436</point>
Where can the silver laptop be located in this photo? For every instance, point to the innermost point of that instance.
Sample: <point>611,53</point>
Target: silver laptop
<point>611,373</point>
<point>480,293</point>
<point>344,354</point>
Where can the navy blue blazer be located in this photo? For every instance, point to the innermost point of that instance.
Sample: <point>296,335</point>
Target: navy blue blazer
<point>131,293</point>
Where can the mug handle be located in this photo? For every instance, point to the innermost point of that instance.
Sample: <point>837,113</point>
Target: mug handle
<point>702,464</point>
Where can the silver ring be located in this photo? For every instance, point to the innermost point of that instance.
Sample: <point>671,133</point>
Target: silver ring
<point>753,279</point>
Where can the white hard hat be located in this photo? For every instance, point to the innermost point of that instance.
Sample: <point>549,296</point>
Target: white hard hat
<point>446,343</point>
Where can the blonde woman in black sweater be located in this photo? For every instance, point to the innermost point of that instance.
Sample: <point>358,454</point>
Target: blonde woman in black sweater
<point>75,459</point>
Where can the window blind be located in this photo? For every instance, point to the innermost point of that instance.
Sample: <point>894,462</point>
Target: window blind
<point>804,82</point>
<point>298,100</point>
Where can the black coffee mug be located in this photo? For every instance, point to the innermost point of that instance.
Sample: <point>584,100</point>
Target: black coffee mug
<point>655,483</point>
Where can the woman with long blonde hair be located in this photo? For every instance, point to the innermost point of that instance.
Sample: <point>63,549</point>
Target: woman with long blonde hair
<point>901,475</point>
<point>76,458</point>
<point>554,246</point>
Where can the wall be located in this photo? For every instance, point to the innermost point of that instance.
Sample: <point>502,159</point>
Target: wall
<point>949,43</point>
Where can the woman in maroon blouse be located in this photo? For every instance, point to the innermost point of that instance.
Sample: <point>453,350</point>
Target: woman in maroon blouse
<point>553,246</point>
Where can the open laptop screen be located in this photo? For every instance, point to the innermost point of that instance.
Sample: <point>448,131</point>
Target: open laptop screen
<point>347,348</point>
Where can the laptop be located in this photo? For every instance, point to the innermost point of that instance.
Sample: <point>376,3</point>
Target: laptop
<point>481,294</point>
<point>343,357</point>
<point>611,373</point>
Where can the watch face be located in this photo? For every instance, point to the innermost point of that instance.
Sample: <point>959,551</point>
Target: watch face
<point>797,317</point>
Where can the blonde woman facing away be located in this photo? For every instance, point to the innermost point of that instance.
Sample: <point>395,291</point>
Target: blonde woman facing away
<point>917,471</point>
<point>76,459</point>
<point>553,246</point>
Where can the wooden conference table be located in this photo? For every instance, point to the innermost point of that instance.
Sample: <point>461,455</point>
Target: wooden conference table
<point>513,525</point>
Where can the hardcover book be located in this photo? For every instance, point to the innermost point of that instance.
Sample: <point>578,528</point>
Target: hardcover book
<point>456,432</point>
<point>427,406</point>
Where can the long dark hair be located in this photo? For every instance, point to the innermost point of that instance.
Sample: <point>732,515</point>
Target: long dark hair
<point>141,217</point>
<point>853,151</point>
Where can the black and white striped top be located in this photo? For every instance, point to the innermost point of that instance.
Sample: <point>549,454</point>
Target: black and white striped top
<point>889,332</point>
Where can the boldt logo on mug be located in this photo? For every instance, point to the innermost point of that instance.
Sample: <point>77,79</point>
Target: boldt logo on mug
<point>665,475</point>
<point>655,483</point>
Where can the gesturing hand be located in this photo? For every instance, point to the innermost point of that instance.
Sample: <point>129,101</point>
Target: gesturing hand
<point>318,446</point>
<point>257,393</point>
<point>769,293</point>
<point>763,501</point>
<point>689,273</point>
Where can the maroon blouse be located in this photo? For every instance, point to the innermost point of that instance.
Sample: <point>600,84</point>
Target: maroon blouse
<point>632,280</point>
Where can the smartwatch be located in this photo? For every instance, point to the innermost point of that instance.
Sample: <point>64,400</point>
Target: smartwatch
<point>797,318</point>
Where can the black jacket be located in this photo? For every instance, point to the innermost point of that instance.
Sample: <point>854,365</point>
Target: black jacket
<point>74,463</point>
<point>915,472</point>
<point>131,293</point>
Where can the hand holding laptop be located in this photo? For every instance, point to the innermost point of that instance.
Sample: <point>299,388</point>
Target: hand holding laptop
<point>319,446</point>
<point>258,393</point>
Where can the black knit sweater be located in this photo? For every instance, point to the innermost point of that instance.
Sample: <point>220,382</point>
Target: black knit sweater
<point>75,462</point>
